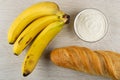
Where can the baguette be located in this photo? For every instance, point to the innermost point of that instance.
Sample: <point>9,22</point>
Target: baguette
<point>99,62</point>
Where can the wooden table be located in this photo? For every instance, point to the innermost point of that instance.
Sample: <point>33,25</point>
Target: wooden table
<point>10,65</point>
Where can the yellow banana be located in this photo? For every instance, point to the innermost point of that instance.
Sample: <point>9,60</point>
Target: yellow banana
<point>28,15</point>
<point>39,44</point>
<point>32,30</point>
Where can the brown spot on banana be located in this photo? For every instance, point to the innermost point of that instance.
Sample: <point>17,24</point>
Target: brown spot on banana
<point>20,40</point>
<point>28,57</point>
<point>28,41</point>
<point>31,61</point>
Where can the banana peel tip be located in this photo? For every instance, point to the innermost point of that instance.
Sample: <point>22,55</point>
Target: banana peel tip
<point>16,54</point>
<point>11,43</point>
<point>25,74</point>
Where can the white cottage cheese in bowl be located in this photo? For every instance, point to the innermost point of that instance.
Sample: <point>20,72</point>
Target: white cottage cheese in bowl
<point>90,25</point>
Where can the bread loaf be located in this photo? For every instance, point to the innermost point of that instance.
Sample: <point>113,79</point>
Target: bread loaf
<point>104,63</point>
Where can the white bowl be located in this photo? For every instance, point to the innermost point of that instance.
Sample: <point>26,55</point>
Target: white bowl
<point>79,32</point>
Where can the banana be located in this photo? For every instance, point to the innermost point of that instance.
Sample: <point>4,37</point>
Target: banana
<point>28,15</point>
<point>32,30</point>
<point>39,45</point>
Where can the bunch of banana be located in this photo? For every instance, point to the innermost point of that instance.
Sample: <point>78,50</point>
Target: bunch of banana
<point>39,23</point>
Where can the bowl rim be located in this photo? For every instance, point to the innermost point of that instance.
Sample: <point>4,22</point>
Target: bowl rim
<point>106,27</point>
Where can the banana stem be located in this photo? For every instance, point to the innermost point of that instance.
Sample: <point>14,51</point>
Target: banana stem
<point>66,18</point>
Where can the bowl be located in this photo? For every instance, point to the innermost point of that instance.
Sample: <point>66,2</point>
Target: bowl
<point>90,25</point>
